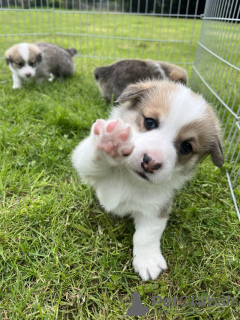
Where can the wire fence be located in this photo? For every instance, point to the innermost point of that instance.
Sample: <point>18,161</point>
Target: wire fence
<point>177,31</point>
<point>105,31</point>
<point>216,76</point>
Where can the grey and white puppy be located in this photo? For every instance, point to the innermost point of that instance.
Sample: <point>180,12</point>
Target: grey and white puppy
<point>114,78</point>
<point>39,61</point>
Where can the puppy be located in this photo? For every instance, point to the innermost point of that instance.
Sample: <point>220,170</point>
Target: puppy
<point>39,61</point>
<point>113,79</point>
<point>142,154</point>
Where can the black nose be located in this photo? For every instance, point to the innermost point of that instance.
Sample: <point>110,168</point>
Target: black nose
<point>146,158</point>
<point>150,165</point>
<point>28,75</point>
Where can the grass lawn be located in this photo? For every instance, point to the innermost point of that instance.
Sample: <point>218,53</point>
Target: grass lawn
<point>61,255</point>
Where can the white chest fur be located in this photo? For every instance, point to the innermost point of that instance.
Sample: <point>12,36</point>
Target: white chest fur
<point>121,193</point>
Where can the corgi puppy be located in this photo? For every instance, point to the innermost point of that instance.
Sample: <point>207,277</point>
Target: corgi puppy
<point>113,79</point>
<point>145,151</point>
<point>39,61</point>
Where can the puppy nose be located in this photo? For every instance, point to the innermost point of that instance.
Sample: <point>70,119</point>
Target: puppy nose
<point>150,165</point>
<point>28,74</point>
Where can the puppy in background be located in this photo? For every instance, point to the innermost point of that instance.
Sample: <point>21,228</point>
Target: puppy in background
<point>142,154</point>
<point>39,61</point>
<point>113,79</point>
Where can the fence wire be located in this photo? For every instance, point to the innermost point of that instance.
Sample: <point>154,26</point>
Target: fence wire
<point>169,30</point>
<point>157,29</point>
<point>216,75</point>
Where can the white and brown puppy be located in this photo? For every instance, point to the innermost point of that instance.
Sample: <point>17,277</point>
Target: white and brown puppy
<point>142,154</point>
<point>39,61</point>
<point>114,78</point>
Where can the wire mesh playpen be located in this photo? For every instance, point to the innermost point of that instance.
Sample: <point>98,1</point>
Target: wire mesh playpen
<point>203,38</point>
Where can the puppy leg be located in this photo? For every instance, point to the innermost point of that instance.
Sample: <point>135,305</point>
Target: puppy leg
<point>39,80</point>
<point>107,146</point>
<point>41,75</point>
<point>51,77</point>
<point>17,82</point>
<point>148,260</point>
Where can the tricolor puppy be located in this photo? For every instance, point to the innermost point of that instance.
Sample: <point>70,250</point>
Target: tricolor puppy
<point>113,79</point>
<point>142,154</point>
<point>39,61</point>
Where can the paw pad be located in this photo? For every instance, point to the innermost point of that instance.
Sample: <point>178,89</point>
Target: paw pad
<point>113,137</point>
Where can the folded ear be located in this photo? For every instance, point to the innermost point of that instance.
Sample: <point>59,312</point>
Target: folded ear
<point>8,60</point>
<point>39,57</point>
<point>217,153</point>
<point>135,91</point>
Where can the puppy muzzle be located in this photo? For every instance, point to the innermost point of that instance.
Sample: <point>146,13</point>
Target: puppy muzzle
<point>149,165</point>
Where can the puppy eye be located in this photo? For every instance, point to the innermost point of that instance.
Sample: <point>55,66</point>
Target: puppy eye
<point>32,64</point>
<point>20,64</point>
<point>185,148</point>
<point>150,123</point>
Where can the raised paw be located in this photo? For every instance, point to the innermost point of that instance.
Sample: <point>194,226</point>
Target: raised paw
<point>149,265</point>
<point>113,137</point>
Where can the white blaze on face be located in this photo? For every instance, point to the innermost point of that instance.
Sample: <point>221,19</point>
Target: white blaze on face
<point>26,72</point>
<point>24,51</point>
<point>185,108</point>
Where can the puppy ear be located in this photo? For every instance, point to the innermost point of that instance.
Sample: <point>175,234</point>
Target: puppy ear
<point>96,73</point>
<point>8,57</point>
<point>178,75</point>
<point>135,91</point>
<point>217,153</point>
<point>39,57</point>
<point>8,60</point>
<point>71,51</point>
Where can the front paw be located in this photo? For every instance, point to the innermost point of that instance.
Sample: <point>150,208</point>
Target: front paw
<point>149,264</point>
<point>16,86</point>
<point>51,77</point>
<point>113,137</point>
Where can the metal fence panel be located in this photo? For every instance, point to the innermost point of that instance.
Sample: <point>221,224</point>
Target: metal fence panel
<point>216,75</point>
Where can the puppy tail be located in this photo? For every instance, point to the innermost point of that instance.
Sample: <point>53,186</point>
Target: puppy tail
<point>71,51</point>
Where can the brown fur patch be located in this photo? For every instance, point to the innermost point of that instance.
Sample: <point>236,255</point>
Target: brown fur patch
<point>33,53</point>
<point>12,55</point>
<point>148,100</point>
<point>134,91</point>
<point>193,134</point>
<point>175,73</point>
<point>204,137</point>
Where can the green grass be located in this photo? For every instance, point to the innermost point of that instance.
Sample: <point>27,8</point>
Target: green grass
<point>61,255</point>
